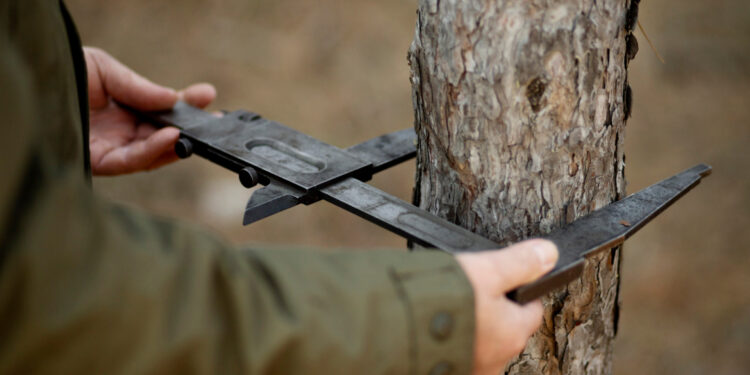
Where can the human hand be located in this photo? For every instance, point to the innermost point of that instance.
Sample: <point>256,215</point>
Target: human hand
<point>119,142</point>
<point>503,326</point>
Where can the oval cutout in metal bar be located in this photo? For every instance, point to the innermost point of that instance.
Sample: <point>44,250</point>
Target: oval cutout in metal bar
<point>281,154</point>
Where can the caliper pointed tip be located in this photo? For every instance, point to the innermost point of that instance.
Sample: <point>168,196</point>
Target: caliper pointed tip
<point>267,201</point>
<point>248,219</point>
<point>701,170</point>
<point>705,169</point>
<point>256,211</point>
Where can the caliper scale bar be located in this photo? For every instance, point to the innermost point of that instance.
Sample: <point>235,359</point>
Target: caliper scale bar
<point>297,168</point>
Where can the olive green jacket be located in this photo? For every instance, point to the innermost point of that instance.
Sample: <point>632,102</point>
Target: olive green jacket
<point>87,286</point>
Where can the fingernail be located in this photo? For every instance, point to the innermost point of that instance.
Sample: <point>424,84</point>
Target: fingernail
<point>547,252</point>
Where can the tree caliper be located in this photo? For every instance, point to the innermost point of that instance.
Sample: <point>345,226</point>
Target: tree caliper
<point>296,168</point>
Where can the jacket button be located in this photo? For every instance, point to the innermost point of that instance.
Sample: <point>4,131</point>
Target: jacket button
<point>441,326</point>
<point>442,368</point>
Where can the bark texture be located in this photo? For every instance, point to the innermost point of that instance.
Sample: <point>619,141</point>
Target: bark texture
<point>520,109</point>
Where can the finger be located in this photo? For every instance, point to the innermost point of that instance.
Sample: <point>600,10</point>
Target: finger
<point>529,317</point>
<point>170,156</point>
<point>522,263</point>
<point>198,95</point>
<point>144,130</point>
<point>108,78</point>
<point>156,145</point>
<point>138,155</point>
<point>503,331</point>
<point>521,323</point>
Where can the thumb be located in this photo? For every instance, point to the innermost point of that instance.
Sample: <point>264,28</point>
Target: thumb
<point>108,78</point>
<point>522,263</point>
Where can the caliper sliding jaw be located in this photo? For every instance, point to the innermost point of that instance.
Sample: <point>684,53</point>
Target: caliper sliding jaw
<point>296,168</point>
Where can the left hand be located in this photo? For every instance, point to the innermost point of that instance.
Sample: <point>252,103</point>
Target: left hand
<point>120,143</point>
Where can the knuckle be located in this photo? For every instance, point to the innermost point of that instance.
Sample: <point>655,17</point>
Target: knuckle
<point>531,312</point>
<point>518,343</point>
<point>536,312</point>
<point>534,326</point>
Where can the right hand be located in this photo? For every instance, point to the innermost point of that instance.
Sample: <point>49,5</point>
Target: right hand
<point>503,326</point>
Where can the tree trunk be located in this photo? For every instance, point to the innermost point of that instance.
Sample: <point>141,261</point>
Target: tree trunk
<point>520,109</point>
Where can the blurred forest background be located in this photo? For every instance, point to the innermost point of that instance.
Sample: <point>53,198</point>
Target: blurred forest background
<point>337,70</point>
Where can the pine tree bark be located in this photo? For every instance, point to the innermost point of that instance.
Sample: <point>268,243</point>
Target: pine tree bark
<point>520,110</point>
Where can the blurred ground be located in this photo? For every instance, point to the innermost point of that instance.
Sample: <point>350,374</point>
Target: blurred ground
<point>337,69</point>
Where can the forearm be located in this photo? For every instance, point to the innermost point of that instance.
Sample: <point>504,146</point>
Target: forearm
<point>146,294</point>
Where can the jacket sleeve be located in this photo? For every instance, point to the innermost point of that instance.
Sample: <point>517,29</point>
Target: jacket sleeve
<point>91,287</point>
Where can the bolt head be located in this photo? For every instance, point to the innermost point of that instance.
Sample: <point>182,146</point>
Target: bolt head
<point>249,177</point>
<point>183,148</point>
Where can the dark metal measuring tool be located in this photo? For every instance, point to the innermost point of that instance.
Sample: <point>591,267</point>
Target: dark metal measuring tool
<point>296,168</point>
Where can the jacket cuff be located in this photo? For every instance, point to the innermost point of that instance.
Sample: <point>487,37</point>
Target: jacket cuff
<point>439,302</point>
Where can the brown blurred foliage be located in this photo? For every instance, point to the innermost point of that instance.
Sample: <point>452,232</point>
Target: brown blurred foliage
<point>337,70</point>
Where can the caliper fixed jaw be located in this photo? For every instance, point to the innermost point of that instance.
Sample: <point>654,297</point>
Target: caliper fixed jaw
<point>606,228</point>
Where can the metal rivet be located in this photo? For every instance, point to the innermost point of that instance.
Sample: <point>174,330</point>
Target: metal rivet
<point>441,325</point>
<point>183,148</point>
<point>249,177</point>
<point>442,368</point>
